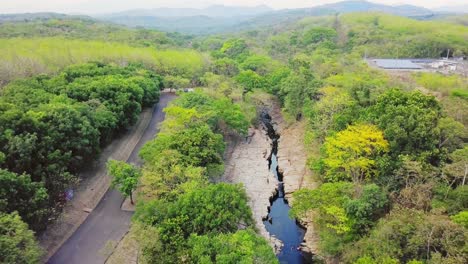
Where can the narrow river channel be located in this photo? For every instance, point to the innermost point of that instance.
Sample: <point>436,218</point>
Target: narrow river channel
<point>278,223</point>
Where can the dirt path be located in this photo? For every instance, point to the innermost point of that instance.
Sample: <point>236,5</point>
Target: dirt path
<point>86,234</point>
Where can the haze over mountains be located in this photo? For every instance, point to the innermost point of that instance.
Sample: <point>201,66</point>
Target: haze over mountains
<point>219,18</point>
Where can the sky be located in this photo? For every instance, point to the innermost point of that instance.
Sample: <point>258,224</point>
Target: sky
<point>109,6</point>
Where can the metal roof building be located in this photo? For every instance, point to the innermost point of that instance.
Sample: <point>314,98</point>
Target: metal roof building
<point>396,64</point>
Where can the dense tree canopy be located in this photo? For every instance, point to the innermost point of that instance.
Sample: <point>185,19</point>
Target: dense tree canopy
<point>51,125</point>
<point>17,243</point>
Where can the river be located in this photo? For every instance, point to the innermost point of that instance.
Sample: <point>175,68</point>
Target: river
<point>278,223</point>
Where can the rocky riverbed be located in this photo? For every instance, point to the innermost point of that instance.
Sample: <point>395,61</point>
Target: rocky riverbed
<point>248,164</point>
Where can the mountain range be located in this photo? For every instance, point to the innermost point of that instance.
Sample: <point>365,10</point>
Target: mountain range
<point>219,18</point>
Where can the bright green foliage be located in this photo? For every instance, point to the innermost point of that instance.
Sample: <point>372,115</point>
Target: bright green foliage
<point>351,153</point>
<point>330,113</point>
<point>241,247</point>
<point>165,176</point>
<point>51,125</point>
<point>250,81</point>
<point>17,243</point>
<point>234,48</point>
<point>367,208</point>
<point>383,35</point>
<point>217,208</point>
<point>343,212</point>
<point>178,201</point>
<point>124,177</point>
<point>84,28</point>
<point>336,219</point>
<point>461,219</point>
<point>49,55</point>
<point>226,66</point>
<point>258,64</point>
<point>29,199</point>
<point>198,145</point>
<point>362,84</point>
<point>409,122</point>
<point>296,90</point>
<point>444,84</point>
<point>176,82</point>
<point>318,34</point>
<point>178,118</point>
<point>231,115</point>
<point>327,194</point>
<point>219,113</point>
<point>328,201</point>
<point>407,234</point>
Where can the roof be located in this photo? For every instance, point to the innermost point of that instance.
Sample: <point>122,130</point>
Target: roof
<point>396,64</point>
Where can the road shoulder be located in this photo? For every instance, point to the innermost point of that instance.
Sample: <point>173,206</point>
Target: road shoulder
<point>91,190</point>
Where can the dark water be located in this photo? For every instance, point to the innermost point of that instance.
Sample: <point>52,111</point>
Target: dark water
<point>279,223</point>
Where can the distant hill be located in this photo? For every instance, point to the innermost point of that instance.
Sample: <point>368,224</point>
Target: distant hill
<point>214,11</point>
<point>460,9</point>
<point>218,18</point>
<point>32,16</point>
<point>365,6</point>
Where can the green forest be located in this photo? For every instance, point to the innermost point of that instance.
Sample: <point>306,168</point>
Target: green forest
<point>387,152</point>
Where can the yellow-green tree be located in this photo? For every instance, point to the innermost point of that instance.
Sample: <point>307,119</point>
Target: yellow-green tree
<point>351,153</point>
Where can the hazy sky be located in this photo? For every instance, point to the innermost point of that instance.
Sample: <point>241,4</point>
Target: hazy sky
<point>107,6</point>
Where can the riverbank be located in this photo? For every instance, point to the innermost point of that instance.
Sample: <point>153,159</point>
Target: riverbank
<point>292,163</point>
<point>247,163</point>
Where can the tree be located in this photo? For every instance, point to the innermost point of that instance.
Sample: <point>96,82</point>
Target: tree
<point>456,170</point>
<point>318,34</point>
<point>225,66</point>
<point>29,199</point>
<point>17,242</point>
<point>461,218</point>
<point>451,134</point>
<point>234,48</point>
<point>409,122</point>
<point>351,153</point>
<point>407,234</point>
<point>258,64</point>
<point>231,115</point>
<point>250,81</point>
<point>165,176</point>
<point>213,209</point>
<point>296,90</point>
<point>205,211</point>
<point>326,114</point>
<point>176,82</point>
<point>244,246</point>
<point>124,177</point>
<point>367,208</point>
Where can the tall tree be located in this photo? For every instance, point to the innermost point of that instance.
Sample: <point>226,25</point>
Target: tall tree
<point>124,177</point>
<point>351,153</point>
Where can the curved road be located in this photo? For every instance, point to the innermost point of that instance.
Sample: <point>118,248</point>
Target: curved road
<point>107,221</point>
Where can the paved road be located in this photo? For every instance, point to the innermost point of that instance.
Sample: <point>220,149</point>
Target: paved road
<point>106,222</point>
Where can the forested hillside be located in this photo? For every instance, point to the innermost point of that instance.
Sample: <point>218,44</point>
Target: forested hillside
<point>386,150</point>
<point>391,159</point>
<point>69,86</point>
